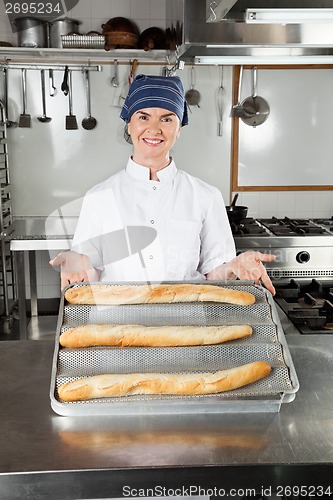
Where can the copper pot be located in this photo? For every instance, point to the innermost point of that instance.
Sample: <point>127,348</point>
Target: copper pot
<point>120,40</point>
<point>120,33</point>
<point>120,24</point>
<point>152,38</point>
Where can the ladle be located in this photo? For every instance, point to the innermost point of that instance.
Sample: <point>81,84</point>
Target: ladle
<point>89,122</point>
<point>115,78</point>
<point>43,118</point>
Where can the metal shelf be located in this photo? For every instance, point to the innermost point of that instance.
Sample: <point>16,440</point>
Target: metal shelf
<point>54,56</point>
<point>7,272</point>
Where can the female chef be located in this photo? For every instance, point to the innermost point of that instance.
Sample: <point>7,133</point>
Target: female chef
<point>152,221</point>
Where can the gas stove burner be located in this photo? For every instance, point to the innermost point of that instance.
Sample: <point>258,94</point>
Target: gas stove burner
<point>313,320</point>
<point>293,227</point>
<point>308,305</point>
<point>327,223</point>
<point>248,227</point>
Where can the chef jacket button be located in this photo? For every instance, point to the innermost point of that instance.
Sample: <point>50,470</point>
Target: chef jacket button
<point>154,188</point>
<point>152,221</point>
<point>151,256</point>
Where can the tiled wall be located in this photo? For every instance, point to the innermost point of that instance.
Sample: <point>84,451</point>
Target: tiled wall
<point>93,13</point>
<point>297,204</point>
<point>48,279</point>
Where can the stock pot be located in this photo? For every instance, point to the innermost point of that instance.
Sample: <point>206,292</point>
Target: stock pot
<point>31,32</point>
<point>64,26</point>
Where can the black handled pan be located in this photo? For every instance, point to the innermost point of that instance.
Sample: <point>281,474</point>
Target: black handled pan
<point>236,213</point>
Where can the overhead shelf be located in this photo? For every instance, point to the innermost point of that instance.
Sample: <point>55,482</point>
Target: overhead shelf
<point>50,55</point>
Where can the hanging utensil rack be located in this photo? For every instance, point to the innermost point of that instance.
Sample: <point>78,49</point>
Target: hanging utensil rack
<point>54,67</point>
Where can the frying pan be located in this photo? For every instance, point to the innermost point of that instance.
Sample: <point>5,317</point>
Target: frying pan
<point>256,109</point>
<point>236,213</point>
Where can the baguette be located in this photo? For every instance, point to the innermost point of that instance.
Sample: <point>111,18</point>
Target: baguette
<point>146,336</point>
<point>155,294</point>
<point>186,384</point>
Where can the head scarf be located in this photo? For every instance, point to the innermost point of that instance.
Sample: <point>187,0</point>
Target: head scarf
<point>166,92</point>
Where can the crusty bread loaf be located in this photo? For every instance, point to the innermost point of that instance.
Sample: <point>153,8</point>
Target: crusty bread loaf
<point>185,384</point>
<point>145,336</point>
<point>104,294</point>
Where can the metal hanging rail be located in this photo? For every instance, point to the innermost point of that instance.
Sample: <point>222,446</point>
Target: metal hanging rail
<point>55,67</point>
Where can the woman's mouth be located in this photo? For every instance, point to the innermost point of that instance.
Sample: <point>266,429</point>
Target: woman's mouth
<point>152,142</point>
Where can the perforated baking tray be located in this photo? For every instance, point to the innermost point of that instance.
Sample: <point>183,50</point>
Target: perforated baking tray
<point>266,344</point>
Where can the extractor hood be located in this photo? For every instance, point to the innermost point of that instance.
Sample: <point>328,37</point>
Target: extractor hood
<point>253,31</point>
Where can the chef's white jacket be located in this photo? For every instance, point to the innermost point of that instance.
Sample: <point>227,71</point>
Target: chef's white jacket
<point>137,229</point>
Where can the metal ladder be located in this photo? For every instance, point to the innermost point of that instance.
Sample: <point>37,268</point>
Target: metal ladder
<point>7,272</point>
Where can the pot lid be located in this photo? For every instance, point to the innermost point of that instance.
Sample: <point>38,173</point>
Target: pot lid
<point>66,20</point>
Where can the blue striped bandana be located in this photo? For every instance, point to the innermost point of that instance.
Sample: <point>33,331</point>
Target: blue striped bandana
<point>166,92</point>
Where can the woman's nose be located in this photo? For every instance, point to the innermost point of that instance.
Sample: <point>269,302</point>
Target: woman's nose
<point>154,127</point>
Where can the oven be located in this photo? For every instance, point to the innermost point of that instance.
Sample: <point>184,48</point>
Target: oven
<point>302,272</point>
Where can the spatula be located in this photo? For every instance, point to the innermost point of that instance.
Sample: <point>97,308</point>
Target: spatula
<point>25,118</point>
<point>71,122</point>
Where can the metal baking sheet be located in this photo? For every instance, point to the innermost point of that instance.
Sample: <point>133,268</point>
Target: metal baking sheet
<point>267,344</point>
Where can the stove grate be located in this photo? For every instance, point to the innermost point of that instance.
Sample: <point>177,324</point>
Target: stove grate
<point>309,305</point>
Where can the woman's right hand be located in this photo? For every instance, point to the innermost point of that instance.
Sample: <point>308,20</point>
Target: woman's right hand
<point>74,268</point>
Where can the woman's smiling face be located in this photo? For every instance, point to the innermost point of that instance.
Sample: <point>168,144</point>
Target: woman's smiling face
<point>153,132</point>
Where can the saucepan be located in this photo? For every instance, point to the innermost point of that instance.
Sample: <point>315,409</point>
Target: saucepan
<point>255,108</point>
<point>236,213</point>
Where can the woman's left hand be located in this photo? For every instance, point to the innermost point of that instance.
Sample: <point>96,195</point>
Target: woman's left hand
<point>246,266</point>
<point>249,266</point>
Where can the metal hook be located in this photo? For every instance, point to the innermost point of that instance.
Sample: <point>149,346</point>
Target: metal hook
<point>212,6</point>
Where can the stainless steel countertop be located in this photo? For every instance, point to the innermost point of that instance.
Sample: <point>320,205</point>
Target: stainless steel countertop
<point>42,452</point>
<point>41,233</point>
<point>25,228</point>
